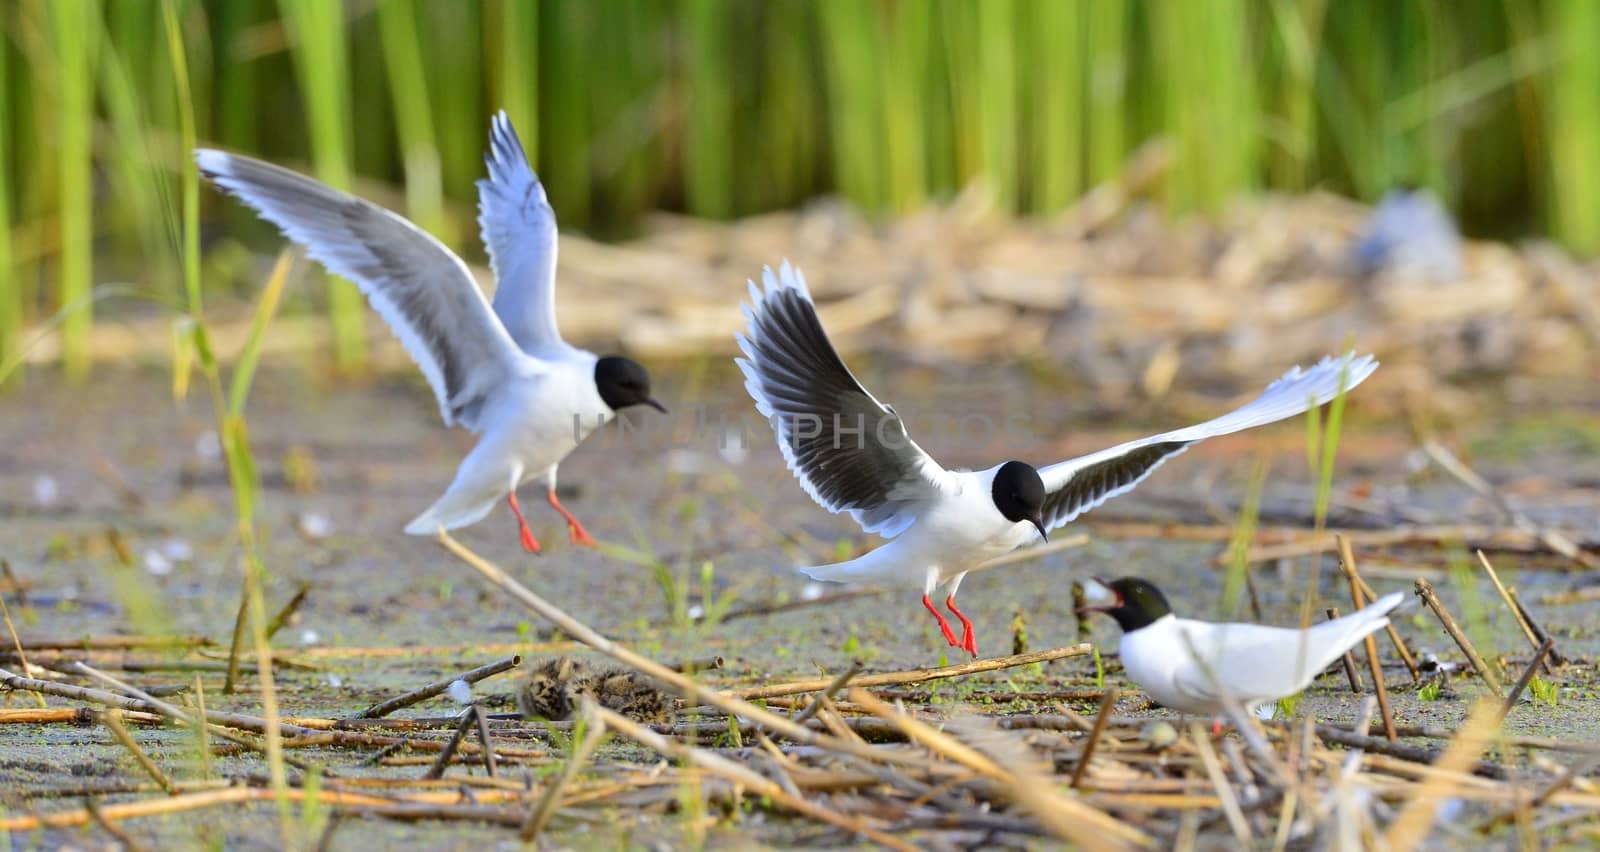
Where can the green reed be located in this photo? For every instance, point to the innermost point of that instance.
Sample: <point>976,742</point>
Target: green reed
<point>1573,124</point>
<point>74,108</point>
<point>11,301</point>
<point>727,108</point>
<point>243,478</point>
<point>402,53</point>
<point>318,31</point>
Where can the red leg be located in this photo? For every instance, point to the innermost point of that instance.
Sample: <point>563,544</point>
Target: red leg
<point>529,543</point>
<point>969,638</point>
<point>578,533</point>
<point>944,626</point>
<point>1216,726</point>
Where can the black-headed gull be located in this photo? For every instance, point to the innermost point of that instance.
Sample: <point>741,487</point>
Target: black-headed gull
<point>1180,662</point>
<point>851,453</point>
<point>504,373</point>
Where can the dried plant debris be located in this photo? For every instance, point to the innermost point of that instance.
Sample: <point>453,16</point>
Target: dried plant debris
<point>552,690</point>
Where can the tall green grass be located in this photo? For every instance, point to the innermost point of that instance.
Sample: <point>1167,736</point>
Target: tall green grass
<point>10,283</point>
<point>402,53</point>
<point>228,407</point>
<point>318,33</point>
<point>71,36</point>
<point>725,108</point>
<point>1574,124</point>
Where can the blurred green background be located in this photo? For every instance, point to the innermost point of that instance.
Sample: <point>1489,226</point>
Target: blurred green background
<point>721,108</point>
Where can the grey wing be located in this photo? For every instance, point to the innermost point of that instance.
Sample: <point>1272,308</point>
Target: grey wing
<point>519,229</point>
<point>850,452</point>
<point>1075,486</point>
<point>421,289</point>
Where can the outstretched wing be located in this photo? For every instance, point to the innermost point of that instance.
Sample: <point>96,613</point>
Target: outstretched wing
<point>421,289</point>
<point>519,229</point>
<point>850,452</point>
<point>1078,485</point>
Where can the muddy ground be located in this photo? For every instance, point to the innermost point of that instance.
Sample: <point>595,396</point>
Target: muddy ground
<point>111,495</point>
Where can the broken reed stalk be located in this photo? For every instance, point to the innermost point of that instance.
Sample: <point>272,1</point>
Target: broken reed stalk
<point>1347,562</point>
<point>117,643</point>
<point>236,646</point>
<point>184,802</point>
<point>546,806</point>
<point>1416,819</point>
<point>172,712</point>
<point>738,775</point>
<point>911,676</point>
<point>112,719</point>
<point>483,739</point>
<point>1219,782</point>
<point>1349,658</point>
<point>1394,635</point>
<point>1087,825</point>
<point>117,832</point>
<point>289,609</point>
<point>438,687</point>
<point>442,761</point>
<point>828,692</point>
<point>1538,630</point>
<point>690,689</point>
<point>22,658</point>
<point>1527,675</point>
<point>17,586</point>
<point>1068,819</point>
<point>1469,477</point>
<point>1431,598</point>
<point>1108,703</point>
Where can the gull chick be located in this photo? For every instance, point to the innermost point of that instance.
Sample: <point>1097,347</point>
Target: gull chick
<point>503,373</point>
<point>851,453</point>
<point>1180,662</point>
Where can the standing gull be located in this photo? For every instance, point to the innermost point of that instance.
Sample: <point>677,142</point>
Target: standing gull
<point>1192,666</point>
<point>851,453</point>
<point>503,373</point>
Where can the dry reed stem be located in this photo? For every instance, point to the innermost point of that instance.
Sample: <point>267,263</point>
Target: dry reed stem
<point>118,643</point>
<point>16,643</point>
<point>1429,597</point>
<point>1219,782</point>
<point>179,804</point>
<point>438,687</point>
<point>112,720</point>
<point>1349,658</point>
<point>692,690</point>
<point>545,808</point>
<point>289,609</point>
<point>911,676</point>
<point>484,741</point>
<point>1539,631</point>
<point>124,840</point>
<point>828,692</point>
<point>1527,675</point>
<point>1108,703</point>
<point>1469,477</point>
<point>739,775</point>
<point>1411,826</point>
<point>1394,635</point>
<point>441,762</point>
<point>1347,562</point>
<point>1066,818</point>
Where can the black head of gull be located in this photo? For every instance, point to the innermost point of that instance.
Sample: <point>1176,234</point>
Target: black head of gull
<point>1019,495</point>
<point>1133,602</point>
<point>623,382</point>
